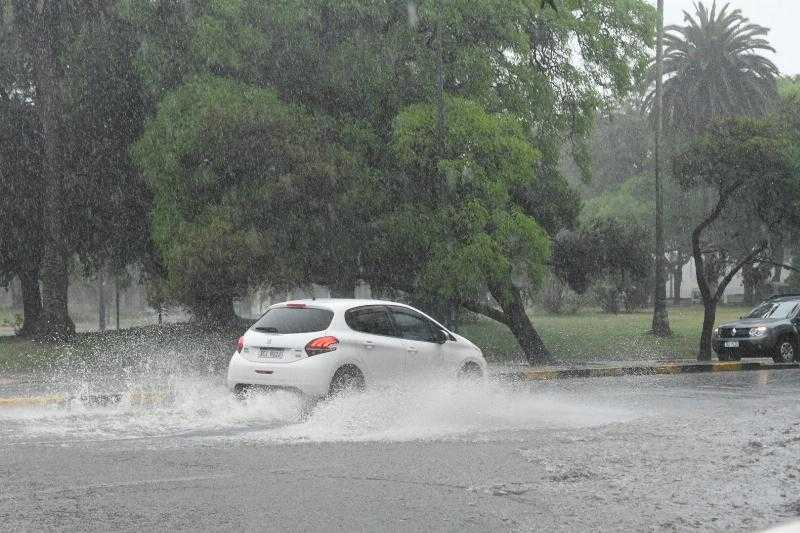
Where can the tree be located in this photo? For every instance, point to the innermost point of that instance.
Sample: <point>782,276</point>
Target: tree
<point>734,158</point>
<point>20,211</point>
<point>243,189</point>
<point>609,253</point>
<point>660,324</point>
<point>466,234</point>
<point>713,69</point>
<point>358,65</point>
<point>73,67</point>
<point>44,29</point>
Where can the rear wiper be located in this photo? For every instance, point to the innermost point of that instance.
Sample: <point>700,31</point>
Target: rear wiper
<point>267,329</point>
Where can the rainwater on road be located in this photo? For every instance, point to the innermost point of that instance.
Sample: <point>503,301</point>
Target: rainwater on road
<point>663,453</point>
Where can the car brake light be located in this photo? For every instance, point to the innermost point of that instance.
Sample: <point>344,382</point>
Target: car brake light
<point>240,345</point>
<point>322,345</point>
<point>296,306</point>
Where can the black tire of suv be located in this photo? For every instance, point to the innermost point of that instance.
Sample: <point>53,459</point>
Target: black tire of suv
<point>778,355</point>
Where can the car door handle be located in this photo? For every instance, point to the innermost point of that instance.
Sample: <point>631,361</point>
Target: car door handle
<point>369,345</point>
<point>412,349</point>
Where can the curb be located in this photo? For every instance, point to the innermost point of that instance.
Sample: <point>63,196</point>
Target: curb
<point>669,368</point>
<point>95,400</point>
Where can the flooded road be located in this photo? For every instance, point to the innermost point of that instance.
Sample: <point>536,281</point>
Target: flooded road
<point>706,451</point>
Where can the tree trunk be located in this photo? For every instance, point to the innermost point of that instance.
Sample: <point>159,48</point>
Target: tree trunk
<point>101,299</point>
<point>709,316</point>
<point>31,301</point>
<point>217,314</point>
<point>749,281</point>
<point>342,289</point>
<point>116,300</point>
<point>54,322</point>
<point>660,324</point>
<point>677,281</point>
<point>779,257</point>
<point>16,295</point>
<point>510,300</point>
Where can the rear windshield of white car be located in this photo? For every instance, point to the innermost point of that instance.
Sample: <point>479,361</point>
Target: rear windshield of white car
<point>294,320</point>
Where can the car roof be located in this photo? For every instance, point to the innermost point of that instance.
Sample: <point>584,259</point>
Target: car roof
<point>794,298</point>
<point>339,304</point>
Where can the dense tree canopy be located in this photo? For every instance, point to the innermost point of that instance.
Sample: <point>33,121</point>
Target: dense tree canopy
<point>714,68</point>
<point>447,86</point>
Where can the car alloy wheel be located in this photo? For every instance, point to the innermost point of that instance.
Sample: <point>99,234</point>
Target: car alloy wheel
<point>787,351</point>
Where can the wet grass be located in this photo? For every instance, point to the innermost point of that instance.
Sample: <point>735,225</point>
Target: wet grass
<point>194,344</point>
<point>595,336</point>
<point>588,336</point>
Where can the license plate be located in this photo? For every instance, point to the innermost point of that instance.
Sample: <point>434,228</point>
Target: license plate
<point>270,353</point>
<point>731,344</point>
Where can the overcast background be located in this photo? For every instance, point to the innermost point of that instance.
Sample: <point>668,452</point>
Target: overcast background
<point>781,16</point>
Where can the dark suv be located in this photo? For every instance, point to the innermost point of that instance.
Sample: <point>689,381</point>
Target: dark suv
<point>769,330</point>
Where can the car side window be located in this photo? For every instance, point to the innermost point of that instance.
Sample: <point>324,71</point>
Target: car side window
<point>413,326</point>
<point>371,319</point>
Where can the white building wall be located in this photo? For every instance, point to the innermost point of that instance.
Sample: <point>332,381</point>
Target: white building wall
<point>689,285</point>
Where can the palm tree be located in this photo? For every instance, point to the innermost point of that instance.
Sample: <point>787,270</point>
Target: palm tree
<point>713,68</point>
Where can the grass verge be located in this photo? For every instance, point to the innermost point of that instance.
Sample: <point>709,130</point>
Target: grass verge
<point>586,337</point>
<point>187,343</point>
<point>595,336</point>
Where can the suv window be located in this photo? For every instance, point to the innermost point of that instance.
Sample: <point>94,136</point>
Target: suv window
<point>413,326</point>
<point>371,319</point>
<point>294,320</point>
<point>786,309</point>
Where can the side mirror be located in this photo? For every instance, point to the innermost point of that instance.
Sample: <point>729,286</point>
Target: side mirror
<point>441,336</point>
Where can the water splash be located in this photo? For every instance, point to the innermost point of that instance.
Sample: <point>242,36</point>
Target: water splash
<point>159,404</point>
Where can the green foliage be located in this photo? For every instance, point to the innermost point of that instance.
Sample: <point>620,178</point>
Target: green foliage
<point>459,222</point>
<point>243,189</point>
<point>713,69</point>
<point>180,40</point>
<point>613,254</point>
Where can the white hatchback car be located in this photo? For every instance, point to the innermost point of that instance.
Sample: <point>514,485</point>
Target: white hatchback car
<point>321,347</point>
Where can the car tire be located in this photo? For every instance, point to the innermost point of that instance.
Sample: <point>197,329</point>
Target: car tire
<point>470,372</point>
<point>724,358</point>
<point>785,350</point>
<point>346,380</point>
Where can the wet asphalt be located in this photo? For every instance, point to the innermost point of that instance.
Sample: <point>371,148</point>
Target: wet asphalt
<point>659,453</point>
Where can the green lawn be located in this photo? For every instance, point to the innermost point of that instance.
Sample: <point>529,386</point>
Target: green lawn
<point>589,336</point>
<point>186,345</point>
<point>592,336</point>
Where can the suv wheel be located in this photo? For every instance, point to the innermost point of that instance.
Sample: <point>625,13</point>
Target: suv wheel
<point>785,350</point>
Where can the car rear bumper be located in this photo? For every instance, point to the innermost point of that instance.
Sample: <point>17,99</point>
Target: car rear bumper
<point>310,376</point>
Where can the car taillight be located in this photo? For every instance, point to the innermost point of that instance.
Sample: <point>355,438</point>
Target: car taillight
<point>240,345</point>
<point>322,345</point>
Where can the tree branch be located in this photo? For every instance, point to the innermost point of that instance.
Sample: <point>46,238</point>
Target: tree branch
<point>782,265</point>
<point>729,276</point>
<point>486,310</point>
<point>697,253</point>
